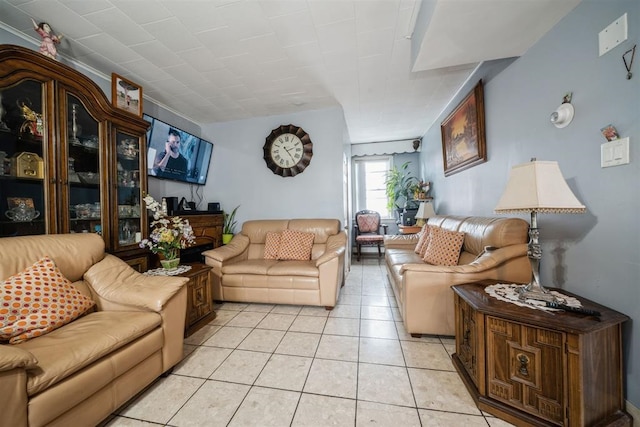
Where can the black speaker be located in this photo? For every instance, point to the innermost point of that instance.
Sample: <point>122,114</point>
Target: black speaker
<point>172,205</point>
<point>213,207</point>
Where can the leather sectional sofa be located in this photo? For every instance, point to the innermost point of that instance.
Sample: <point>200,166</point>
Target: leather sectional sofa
<point>80,373</point>
<point>493,248</point>
<point>241,273</point>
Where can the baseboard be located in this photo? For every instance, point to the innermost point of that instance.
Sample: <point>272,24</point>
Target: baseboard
<point>633,411</point>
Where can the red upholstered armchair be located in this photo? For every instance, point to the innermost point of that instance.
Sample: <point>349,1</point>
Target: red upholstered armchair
<point>367,230</point>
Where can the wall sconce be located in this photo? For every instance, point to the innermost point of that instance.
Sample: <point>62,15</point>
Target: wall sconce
<point>564,113</point>
<point>416,144</point>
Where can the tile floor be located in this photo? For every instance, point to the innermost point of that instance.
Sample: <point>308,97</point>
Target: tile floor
<point>281,365</point>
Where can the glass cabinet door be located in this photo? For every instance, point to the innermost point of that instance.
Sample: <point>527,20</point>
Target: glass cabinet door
<point>129,189</point>
<point>23,194</point>
<point>83,174</point>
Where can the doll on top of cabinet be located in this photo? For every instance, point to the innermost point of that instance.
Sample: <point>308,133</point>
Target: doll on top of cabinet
<point>49,39</point>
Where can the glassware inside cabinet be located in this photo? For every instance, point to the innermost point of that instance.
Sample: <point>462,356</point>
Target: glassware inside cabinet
<point>23,208</point>
<point>83,169</point>
<point>129,189</point>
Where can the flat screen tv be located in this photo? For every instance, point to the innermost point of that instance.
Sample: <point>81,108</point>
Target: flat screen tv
<point>175,154</point>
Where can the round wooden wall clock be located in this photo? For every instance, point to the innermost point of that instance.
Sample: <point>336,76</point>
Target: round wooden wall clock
<point>288,150</point>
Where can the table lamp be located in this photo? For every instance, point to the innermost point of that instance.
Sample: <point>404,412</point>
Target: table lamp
<point>425,211</point>
<point>537,186</point>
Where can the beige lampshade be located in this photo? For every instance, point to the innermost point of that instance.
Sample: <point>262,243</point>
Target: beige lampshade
<point>538,186</point>
<point>425,210</point>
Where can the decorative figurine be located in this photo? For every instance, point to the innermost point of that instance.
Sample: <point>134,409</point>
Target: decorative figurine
<point>49,39</point>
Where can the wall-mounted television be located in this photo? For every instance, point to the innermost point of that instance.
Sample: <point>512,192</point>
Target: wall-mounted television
<point>175,154</point>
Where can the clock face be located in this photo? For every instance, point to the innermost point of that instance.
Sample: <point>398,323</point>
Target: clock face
<point>288,150</point>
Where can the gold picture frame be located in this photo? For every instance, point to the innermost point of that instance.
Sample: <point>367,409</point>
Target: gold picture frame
<point>463,134</point>
<point>126,95</point>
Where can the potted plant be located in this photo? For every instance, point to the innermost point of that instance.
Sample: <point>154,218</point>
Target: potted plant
<point>400,184</point>
<point>229,226</point>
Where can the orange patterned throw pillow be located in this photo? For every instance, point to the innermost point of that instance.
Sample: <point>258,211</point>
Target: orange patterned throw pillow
<point>272,245</point>
<point>38,300</point>
<point>295,245</point>
<point>423,241</point>
<point>444,247</point>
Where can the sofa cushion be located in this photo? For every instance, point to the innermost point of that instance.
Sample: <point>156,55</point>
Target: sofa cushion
<point>295,245</point>
<point>38,300</point>
<point>80,343</point>
<point>272,245</point>
<point>444,247</point>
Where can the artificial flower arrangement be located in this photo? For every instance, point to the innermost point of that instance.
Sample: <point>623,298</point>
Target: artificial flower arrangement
<point>169,234</point>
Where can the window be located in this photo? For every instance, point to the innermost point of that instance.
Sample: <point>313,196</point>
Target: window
<point>370,174</point>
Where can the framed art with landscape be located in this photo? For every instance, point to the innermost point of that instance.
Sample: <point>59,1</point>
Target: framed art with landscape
<point>463,134</point>
<point>126,95</point>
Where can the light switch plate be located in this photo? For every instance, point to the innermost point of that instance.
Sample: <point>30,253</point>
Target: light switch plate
<point>613,35</point>
<point>614,153</point>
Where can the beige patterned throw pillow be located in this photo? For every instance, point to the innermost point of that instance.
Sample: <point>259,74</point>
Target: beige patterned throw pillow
<point>272,245</point>
<point>444,247</point>
<point>38,300</point>
<point>295,245</point>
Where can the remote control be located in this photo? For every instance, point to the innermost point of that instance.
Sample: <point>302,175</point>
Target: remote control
<point>578,310</point>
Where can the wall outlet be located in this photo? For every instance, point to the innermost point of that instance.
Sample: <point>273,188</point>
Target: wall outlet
<point>613,35</point>
<point>614,153</point>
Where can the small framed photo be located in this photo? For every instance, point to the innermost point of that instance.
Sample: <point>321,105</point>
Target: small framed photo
<point>126,95</point>
<point>610,132</point>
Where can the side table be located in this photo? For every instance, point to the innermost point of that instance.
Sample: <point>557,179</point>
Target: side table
<point>535,368</point>
<point>199,298</point>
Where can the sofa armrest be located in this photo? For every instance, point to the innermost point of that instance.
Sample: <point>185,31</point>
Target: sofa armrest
<point>12,357</point>
<point>486,261</point>
<point>336,246</point>
<point>118,286</point>
<point>236,247</point>
<point>400,241</point>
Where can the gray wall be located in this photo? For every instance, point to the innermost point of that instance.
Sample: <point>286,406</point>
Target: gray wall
<point>595,255</point>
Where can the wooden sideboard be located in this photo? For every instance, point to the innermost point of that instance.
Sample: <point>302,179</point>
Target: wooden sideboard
<point>537,368</point>
<point>207,228</point>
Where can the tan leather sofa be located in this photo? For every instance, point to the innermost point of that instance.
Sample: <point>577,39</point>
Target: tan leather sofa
<point>240,272</point>
<point>80,373</point>
<point>493,248</point>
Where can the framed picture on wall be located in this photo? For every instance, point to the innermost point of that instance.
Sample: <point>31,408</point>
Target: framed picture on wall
<point>463,135</point>
<point>126,95</point>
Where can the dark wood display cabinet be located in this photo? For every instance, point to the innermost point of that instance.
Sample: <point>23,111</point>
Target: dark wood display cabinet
<point>536,368</point>
<point>70,162</point>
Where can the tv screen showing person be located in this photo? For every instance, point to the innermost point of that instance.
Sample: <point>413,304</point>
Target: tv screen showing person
<point>170,162</point>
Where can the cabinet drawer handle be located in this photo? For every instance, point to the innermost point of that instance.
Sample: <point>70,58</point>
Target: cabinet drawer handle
<point>524,362</point>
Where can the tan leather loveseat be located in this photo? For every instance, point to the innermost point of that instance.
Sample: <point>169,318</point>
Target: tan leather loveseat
<point>80,373</point>
<point>493,248</point>
<point>240,272</point>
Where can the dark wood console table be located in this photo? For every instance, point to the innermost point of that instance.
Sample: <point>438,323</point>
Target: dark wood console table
<point>536,368</point>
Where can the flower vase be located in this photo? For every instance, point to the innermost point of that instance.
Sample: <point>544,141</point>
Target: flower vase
<point>170,264</point>
<point>170,259</point>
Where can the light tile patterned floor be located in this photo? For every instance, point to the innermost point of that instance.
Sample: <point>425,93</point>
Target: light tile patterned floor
<point>280,365</point>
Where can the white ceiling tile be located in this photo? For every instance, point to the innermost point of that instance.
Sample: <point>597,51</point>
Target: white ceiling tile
<point>326,12</point>
<point>172,34</point>
<point>372,15</point>
<point>145,70</point>
<point>108,47</point>
<point>140,12</point>
<point>157,53</point>
<point>264,48</point>
<point>339,36</point>
<point>294,29</point>
<point>276,8</point>
<point>197,15</point>
<point>201,59</point>
<point>375,43</point>
<point>128,31</point>
<point>82,7</point>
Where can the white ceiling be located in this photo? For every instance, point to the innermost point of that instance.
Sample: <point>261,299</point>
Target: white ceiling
<point>221,60</point>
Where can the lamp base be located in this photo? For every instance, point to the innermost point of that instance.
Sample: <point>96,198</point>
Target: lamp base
<point>536,292</point>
